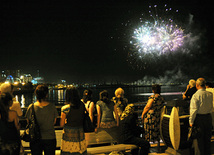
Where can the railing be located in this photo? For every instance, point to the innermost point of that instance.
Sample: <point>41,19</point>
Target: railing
<point>23,121</point>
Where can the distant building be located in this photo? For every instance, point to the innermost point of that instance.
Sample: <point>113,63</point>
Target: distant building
<point>26,78</point>
<point>10,75</point>
<point>38,80</point>
<point>3,76</point>
<point>9,79</point>
<point>63,82</point>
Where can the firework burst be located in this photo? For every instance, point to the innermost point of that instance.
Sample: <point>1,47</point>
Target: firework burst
<point>157,34</point>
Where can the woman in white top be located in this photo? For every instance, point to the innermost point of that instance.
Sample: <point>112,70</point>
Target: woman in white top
<point>89,104</point>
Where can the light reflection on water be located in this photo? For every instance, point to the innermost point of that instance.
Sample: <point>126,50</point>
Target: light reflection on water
<point>133,94</point>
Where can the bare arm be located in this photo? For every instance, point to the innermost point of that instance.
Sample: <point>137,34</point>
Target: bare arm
<point>147,107</point>
<point>14,117</point>
<point>16,121</point>
<point>91,110</point>
<point>98,115</point>
<point>184,94</point>
<point>62,120</point>
<point>116,115</point>
<point>54,121</point>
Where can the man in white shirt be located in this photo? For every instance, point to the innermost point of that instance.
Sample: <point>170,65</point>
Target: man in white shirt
<point>201,106</point>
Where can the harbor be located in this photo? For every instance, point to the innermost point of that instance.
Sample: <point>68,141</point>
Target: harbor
<point>101,139</point>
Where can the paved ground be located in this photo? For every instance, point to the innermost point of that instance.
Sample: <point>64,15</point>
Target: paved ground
<point>153,149</point>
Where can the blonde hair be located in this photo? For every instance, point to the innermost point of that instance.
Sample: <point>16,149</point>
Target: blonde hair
<point>119,91</point>
<point>192,83</point>
<point>6,88</point>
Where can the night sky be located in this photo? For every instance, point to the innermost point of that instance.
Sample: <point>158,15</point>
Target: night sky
<point>84,41</point>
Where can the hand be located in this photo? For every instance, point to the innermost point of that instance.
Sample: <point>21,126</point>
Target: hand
<point>96,129</point>
<point>188,86</point>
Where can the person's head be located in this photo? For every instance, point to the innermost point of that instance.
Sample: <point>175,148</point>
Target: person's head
<point>119,93</point>
<point>192,83</point>
<point>87,95</point>
<point>72,97</point>
<point>209,85</point>
<point>128,111</point>
<point>6,101</point>
<point>41,92</point>
<point>104,96</point>
<point>200,83</point>
<point>156,89</point>
<point>6,88</point>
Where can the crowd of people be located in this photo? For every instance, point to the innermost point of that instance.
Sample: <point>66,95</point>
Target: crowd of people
<point>114,115</point>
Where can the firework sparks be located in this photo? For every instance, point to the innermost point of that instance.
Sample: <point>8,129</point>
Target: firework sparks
<point>157,35</point>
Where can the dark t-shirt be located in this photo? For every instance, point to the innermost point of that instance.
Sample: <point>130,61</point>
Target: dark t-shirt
<point>129,128</point>
<point>74,115</point>
<point>190,92</point>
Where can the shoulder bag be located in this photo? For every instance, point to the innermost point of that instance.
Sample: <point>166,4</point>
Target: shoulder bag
<point>32,131</point>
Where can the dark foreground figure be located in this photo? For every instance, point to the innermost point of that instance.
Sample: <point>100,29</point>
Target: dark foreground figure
<point>130,131</point>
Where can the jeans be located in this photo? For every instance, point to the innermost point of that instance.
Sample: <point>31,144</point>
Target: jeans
<point>46,145</point>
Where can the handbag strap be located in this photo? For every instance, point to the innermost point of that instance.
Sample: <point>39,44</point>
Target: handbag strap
<point>89,104</point>
<point>33,114</point>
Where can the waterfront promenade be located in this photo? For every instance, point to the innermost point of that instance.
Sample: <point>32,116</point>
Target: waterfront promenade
<point>95,141</point>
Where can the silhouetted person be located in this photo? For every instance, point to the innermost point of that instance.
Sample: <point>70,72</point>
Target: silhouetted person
<point>9,127</point>
<point>130,131</point>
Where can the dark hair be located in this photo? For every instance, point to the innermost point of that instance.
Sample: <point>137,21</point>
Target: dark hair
<point>41,92</point>
<point>72,97</point>
<point>104,96</point>
<point>209,84</point>
<point>5,98</point>
<point>87,95</point>
<point>156,88</point>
